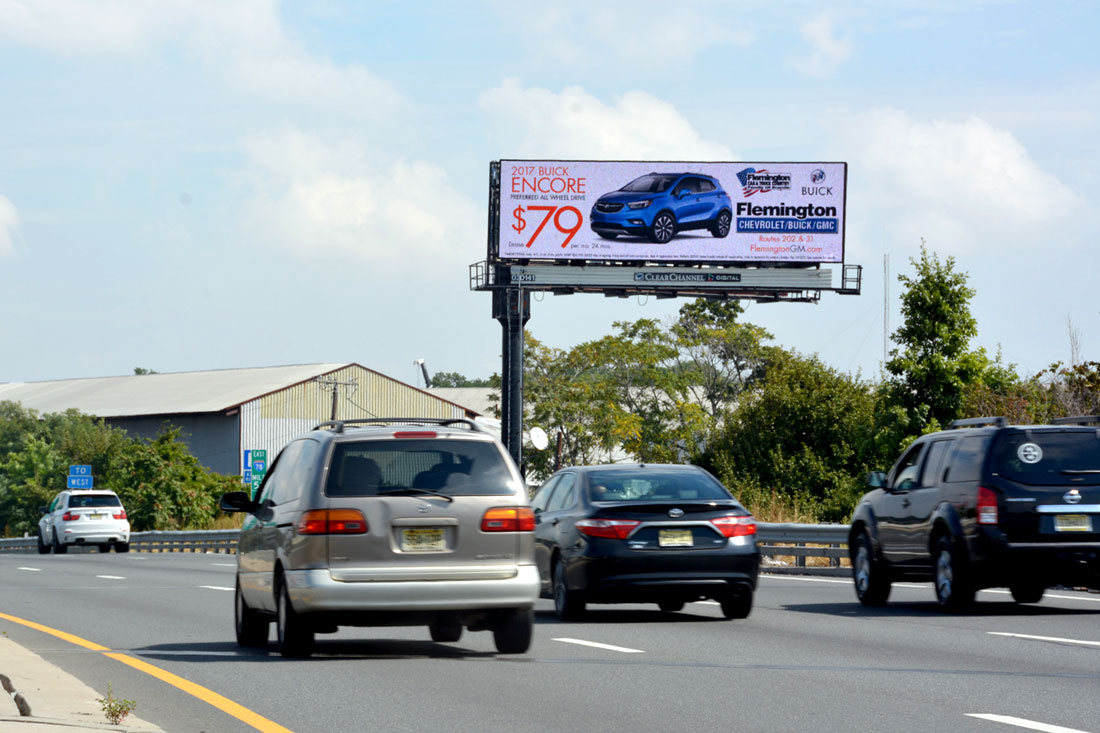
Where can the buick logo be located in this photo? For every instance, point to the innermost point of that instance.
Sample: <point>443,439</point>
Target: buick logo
<point>675,513</point>
<point>1073,496</point>
<point>423,508</point>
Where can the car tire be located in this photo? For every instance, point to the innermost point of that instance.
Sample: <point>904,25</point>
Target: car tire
<point>568,605</point>
<point>122,547</point>
<point>1027,591</point>
<point>872,585</point>
<point>294,636</point>
<point>663,227</point>
<point>721,226</point>
<point>58,548</point>
<point>252,628</point>
<point>445,632</point>
<point>954,590</point>
<point>670,606</point>
<point>512,633</point>
<point>104,547</point>
<point>43,546</point>
<point>739,606</point>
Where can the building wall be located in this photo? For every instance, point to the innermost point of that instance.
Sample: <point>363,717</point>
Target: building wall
<point>213,438</point>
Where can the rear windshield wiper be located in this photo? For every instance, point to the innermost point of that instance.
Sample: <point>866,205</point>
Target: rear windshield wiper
<point>414,490</point>
<point>1075,471</point>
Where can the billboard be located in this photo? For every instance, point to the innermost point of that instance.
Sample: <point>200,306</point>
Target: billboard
<point>678,212</point>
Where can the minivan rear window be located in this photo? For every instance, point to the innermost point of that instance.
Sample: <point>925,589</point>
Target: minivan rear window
<point>452,467</point>
<point>1048,457</point>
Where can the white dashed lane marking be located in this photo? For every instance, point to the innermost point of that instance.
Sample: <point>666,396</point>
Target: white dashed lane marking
<point>112,577</point>
<point>1024,723</point>
<point>33,570</point>
<point>1054,639</point>
<point>215,587</point>
<point>597,645</point>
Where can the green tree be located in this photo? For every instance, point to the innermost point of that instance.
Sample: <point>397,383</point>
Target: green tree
<point>933,366</point>
<point>454,379</point>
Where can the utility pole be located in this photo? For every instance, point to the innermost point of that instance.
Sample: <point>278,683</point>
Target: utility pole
<point>334,384</point>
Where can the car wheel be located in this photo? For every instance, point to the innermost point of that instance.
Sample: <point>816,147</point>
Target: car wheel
<point>872,585</point>
<point>608,235</point>
<point>294,637</point>
<point>43,546</point>
<point>58,548</point>
<point>721,226</point>
<point>104,548</point>
<point>739,606</point>
<point>445,631</point>
<point>663,227</point>
<point>122,547</point>
<point>954,592</point>
<point>567,603</point>
<point>252,628</point>
<point>512,633</point>
<point>1027,591</point>
<point>671,606</point>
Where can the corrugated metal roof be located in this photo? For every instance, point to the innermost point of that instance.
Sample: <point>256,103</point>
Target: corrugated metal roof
<point>478,399</point>
<point>161,394</point>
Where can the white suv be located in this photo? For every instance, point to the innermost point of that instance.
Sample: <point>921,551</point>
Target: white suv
<point>93,517</point>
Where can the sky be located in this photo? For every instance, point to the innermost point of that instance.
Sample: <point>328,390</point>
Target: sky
<point>190,185</point>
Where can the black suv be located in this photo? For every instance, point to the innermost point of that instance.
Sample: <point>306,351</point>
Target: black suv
<point>984,504</point>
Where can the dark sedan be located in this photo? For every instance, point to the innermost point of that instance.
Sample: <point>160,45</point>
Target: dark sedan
<point>639,533</point>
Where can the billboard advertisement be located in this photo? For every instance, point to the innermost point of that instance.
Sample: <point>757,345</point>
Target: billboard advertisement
<point>671,211</point>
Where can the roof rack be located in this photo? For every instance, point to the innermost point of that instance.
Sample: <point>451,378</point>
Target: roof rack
<point>337,426</point>
<point>973,422</point>
<point>1077,420</point>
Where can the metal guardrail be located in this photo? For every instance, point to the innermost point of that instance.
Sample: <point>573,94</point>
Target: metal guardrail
<point>786,548</point>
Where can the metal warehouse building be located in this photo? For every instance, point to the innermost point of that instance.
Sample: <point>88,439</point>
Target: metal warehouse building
<point>223,413</point>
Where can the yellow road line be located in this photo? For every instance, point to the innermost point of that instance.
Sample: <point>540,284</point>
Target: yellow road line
<point>221,702</point>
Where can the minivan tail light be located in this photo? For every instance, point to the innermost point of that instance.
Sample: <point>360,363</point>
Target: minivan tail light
<point>735,526</point>
<point>615,529</point>
<point>69,517</point>
<point>987,506</point>
<point>332,521</point>
<point>508,519</point>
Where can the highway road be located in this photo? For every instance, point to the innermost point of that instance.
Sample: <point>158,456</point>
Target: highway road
<point>810,658</point>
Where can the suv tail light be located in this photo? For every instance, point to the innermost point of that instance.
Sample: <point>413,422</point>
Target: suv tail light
<point>121,514</point>
<point>332,521</point>
<point>987,506</point>
<point>508,519</point>
<point>69,517</point>
<point>735,526</point>
<point>615,529</point>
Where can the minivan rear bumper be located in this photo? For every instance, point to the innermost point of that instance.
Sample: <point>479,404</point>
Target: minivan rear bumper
<point>316,591</point>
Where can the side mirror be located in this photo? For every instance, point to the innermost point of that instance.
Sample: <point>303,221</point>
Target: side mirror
<point>236,501</point>
<point>682,192</point>
<point>876,480</point>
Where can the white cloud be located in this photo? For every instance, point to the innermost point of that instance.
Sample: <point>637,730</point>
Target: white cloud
<point>9,222</point>
<point>315,198</point>
<point>965,185</point>
<point>244,42</point>
<point>824,53</point>
<point>575,125</point>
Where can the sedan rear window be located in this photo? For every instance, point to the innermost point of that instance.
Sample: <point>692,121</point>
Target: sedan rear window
<point>76,502</point>
<point>1049,457</point>
<point>633,485</point>
<point>452,467</point>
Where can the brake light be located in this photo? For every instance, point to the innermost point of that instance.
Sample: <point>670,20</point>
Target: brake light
<point>615,529</point>
<point>121,514</point>
<point>69,517</point>
<point>987,506</point>
<point>735,526</point>
<point>508,519</point>
<point>415,434</point>
<point>332,521</point>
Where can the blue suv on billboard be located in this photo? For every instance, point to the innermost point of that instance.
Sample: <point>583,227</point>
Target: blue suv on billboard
<point>658,205</point>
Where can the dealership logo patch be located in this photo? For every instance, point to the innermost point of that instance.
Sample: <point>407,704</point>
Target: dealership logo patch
<point>761,181</point>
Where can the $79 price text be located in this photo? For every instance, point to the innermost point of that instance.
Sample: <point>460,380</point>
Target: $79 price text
<point>551,212</point>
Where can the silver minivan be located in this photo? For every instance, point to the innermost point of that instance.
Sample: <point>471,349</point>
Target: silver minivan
<point>387,522</point>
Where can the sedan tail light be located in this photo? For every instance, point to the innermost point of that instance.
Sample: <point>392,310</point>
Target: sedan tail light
<point>69,517</point>
<point>615,529</point>
<point>332,521</point>
<point>735,526</point>
<point>987,506</point>
<point>508,519</point>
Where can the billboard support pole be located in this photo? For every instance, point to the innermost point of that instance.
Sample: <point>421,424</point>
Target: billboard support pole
<point>512,307</point>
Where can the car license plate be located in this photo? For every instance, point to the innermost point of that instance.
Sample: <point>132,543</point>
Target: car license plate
<point>97,516</point>
<point>422,540</point>
<point>675,538</point>
<point>1072,523</point>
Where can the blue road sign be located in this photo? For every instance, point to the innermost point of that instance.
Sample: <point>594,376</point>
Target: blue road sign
<point>80,470</point>
<point>79,482</point>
